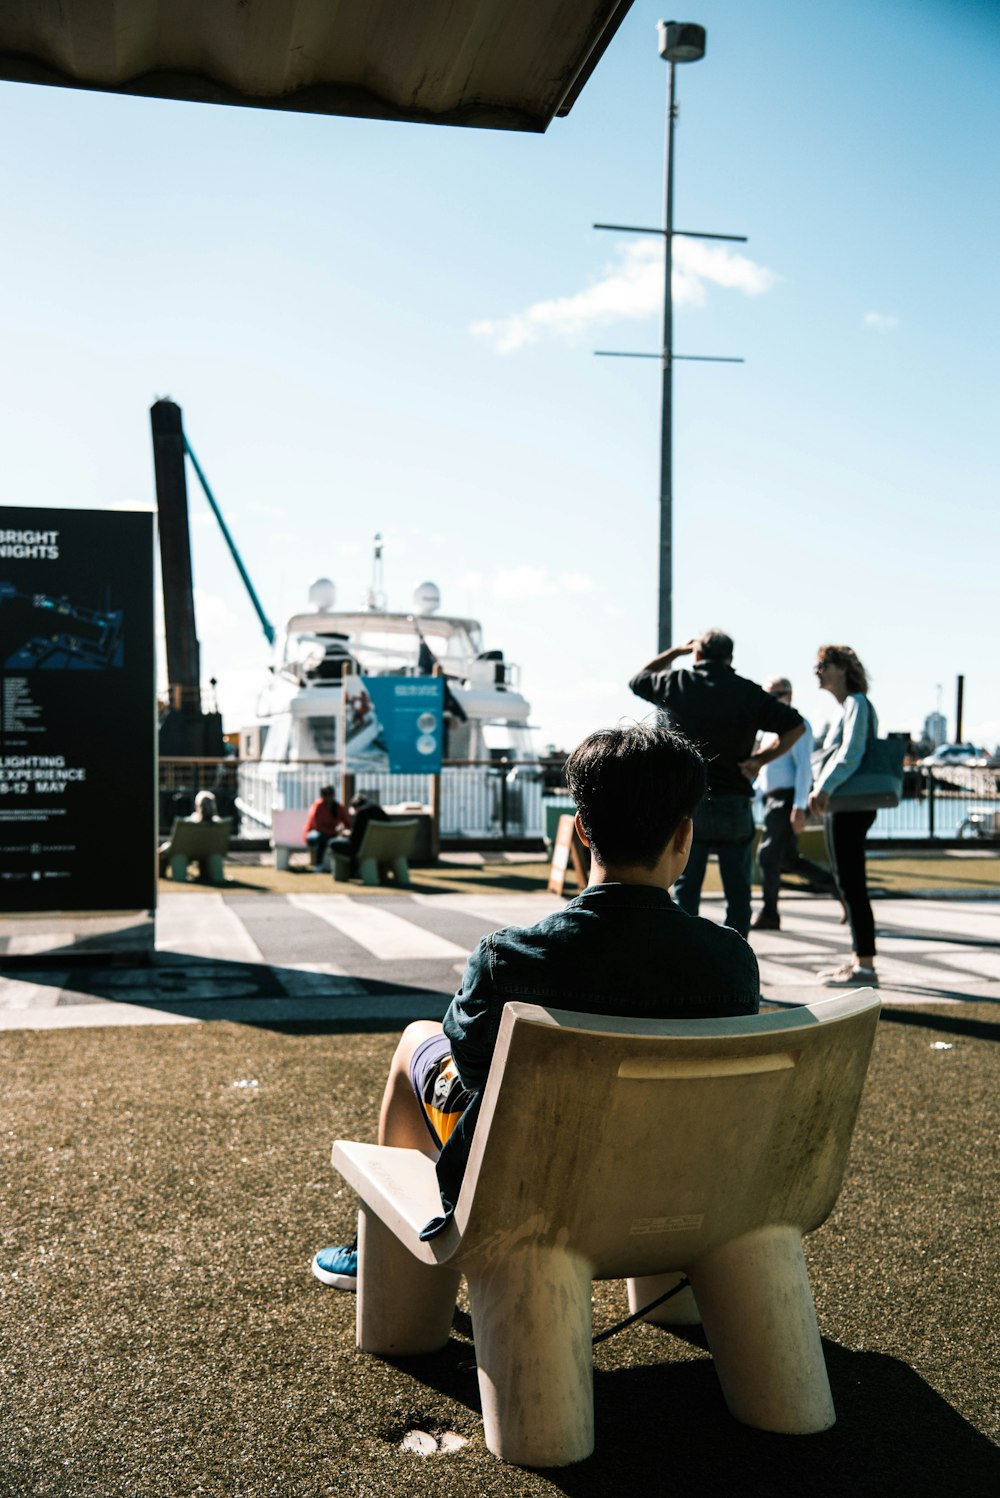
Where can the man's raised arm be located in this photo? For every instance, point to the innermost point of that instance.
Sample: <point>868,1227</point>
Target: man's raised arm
<point>752,767</point>
<point>666,658</point>
<point>648,682</point>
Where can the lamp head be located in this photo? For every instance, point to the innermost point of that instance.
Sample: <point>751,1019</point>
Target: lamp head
<point>681,41</point>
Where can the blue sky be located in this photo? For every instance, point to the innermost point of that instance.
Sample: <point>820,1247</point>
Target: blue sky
<point>381,327</point>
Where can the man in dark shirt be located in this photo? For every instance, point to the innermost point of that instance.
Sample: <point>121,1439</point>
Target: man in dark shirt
<point>622,947</point>
<point>364,809</point>
<point>721,713</point>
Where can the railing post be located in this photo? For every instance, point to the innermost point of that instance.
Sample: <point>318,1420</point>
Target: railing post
<point>435,840</point>
<point>503,799</point>
<point>930,802</point>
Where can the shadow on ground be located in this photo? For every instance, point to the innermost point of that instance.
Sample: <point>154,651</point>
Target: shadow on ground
<point>944,1021</point>
<point>654,1423</point>
<point>256,994</point>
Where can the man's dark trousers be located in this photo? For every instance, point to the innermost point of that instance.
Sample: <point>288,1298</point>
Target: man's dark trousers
<point>779,851</point>
<point>722,825</point>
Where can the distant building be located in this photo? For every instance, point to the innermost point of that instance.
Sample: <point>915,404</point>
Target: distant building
<point>936,729</point>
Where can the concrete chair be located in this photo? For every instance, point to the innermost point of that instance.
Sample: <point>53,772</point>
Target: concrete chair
<point>384,846</point>
<point>612,1148</point>
<point>207,842</point>
<point>288,834</point>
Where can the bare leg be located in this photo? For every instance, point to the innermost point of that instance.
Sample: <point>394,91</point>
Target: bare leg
<point>401,1121</point>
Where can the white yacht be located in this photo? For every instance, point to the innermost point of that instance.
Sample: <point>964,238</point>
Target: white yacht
<point>294,745</point>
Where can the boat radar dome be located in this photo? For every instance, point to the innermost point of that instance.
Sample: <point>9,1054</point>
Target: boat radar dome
<point>427,599</point>
<point>322,595</point>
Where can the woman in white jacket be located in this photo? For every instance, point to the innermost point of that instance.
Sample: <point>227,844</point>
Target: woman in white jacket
<point>839,672</point>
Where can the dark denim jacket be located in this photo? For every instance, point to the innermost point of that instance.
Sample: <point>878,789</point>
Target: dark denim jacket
<point>616,949</point>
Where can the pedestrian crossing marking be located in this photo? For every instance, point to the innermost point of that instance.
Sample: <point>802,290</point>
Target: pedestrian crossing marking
<point>31,944</point>
<point>17,994</point>
<point>203,925</point>
<point>500,910</point>
<point>208,962</point>
<point>301,980</point>
<point>386,936</point>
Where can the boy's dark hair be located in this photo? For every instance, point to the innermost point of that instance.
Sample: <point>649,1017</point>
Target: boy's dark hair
<point>632,787</point>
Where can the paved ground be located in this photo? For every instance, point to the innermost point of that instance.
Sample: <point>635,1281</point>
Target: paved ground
<point>255,956</point>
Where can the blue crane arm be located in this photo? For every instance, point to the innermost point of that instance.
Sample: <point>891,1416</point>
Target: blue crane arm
<point>266,624</point>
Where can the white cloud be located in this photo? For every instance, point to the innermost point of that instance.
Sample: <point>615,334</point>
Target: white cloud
<point>213,614</point>
<point>587,689</point>
<point>882,322</point>
<point>632,287</point>
<point>525,582</point>
<point>986,733</point>
<point>536,582</point>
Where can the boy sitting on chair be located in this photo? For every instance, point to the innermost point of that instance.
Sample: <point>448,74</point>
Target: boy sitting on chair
<point>622,947</point>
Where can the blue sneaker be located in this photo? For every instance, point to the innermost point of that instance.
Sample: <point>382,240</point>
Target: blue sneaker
<point>338,1266</point>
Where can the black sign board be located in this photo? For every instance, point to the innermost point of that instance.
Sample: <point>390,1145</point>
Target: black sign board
<point>77,711</point>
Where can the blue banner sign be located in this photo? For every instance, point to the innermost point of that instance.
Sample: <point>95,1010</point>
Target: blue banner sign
<point>394,723</point>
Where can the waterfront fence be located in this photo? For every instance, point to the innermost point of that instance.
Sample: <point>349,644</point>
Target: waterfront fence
<point>481,800</point>
<point>499,800</point>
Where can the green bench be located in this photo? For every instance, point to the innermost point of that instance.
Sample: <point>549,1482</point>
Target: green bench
<point>384,846</point>
<point>205,842</point>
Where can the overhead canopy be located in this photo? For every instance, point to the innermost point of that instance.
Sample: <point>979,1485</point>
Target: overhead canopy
<point>504,64</point>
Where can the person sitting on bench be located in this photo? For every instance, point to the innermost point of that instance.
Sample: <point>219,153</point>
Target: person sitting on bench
<point>364,808</point>
<point>622,947</point>
<point>326,819</point>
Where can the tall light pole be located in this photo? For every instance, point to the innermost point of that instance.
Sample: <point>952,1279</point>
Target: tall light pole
<point>679,41</point>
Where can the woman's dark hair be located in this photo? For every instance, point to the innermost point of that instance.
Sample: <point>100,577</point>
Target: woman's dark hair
<point>633,787</point>
<point>843,655</point>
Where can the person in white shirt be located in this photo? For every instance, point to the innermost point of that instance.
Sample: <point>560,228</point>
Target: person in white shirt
<point>785,784</point>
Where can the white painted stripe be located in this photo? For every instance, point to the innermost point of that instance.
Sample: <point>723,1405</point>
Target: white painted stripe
<point>803,994</point>
<point>894,974</point>
<point>981,964</point>
<point>499,910</point>
<point>203,925</point>
<point>905,999</point>
<point>36,943</point>
<point>963,920</point>
<point>918,946</point>
<point>774,975</point>
<point>15,993</point>
<point>303,980</point>
<point>776,945</point>
<point>385,935</point>
<point>88,1017</point>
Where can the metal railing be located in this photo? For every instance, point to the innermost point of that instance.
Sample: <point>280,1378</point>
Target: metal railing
<point>941,803</point>
<point>494,800</point>
<point>483,800</point>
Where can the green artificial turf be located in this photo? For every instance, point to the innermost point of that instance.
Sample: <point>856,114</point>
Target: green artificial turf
<point>160,1333</point>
